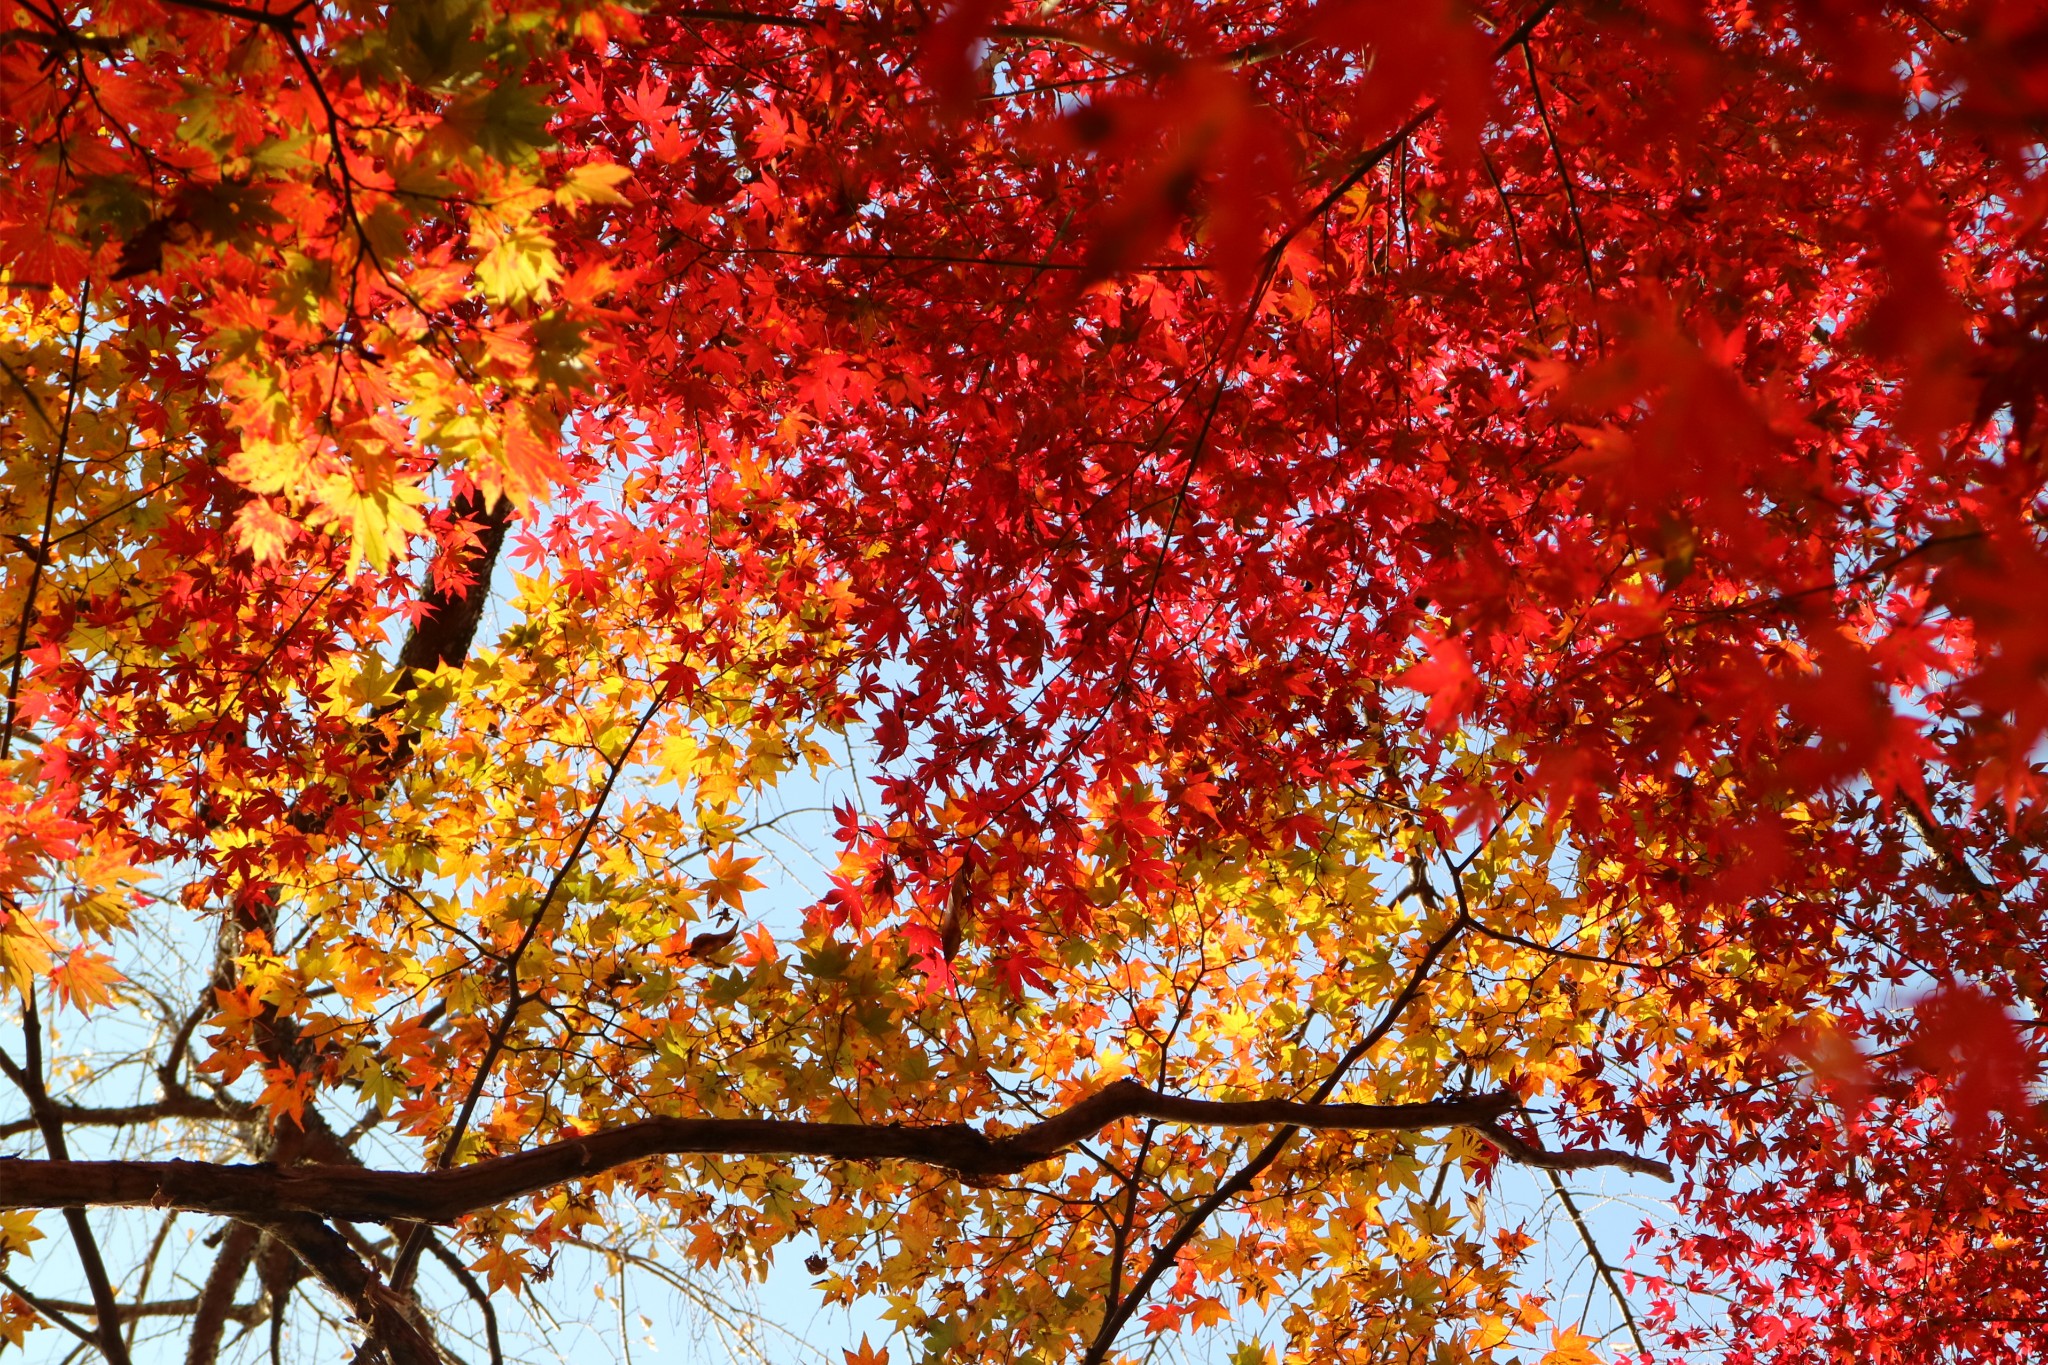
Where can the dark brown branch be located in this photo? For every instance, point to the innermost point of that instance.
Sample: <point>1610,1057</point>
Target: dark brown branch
<point>1937,837</point>
<point>157,1308</point>
<point>41,557</point>
<point>385,1315</point>
<point>180,1106</point>
<point>454,599</point>
<point>1529,1154</point>
<point>1564,170</point>
<point>1100,43</point>
<point>264,1193</point>
<point>29,1079</point>
<point>940,258</point>
<point>1786,601</point>
<point>1386,147</point>
<point>447,627</point>
<point>210,1311</point>
<point>282,21</point>
<point>67,38</point>
<point>1514,236</point>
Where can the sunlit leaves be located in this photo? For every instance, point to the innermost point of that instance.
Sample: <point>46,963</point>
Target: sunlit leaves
<point>1388,550</point>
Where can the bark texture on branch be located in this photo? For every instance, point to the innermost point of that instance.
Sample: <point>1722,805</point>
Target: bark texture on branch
<point>263,1193</point>
<point>454,595</point>
<point>1529,1154</point>
<point>390,1320</point>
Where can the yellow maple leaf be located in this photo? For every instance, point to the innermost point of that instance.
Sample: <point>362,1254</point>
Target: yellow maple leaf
<point>1569,1346</point>
<point>594,182</point>
<point>25,949</point>
<point>86,979</point>
<point>520,266</point>
<point>17,1230</point>
<point>16,1317</point>
<point>729,880</point>
<point>262,530</point>
<point>503,1269</point>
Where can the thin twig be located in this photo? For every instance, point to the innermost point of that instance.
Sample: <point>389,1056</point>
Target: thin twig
<point>516,999</point>
<point>1606,1271</point>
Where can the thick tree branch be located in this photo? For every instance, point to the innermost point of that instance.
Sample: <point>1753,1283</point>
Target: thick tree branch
<point>211,1309</point>
<point>385,1315</point>
<point>454,597</point>
<point>264,1193</point>
<point>1938,839</point>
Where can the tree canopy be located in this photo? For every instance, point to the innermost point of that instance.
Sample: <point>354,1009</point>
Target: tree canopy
<point>1356,598</point>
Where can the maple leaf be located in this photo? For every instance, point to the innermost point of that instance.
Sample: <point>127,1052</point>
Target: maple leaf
<point>1446,678</point>
<point>18,1231</point>
<point>1965,1035</point>
<point>1833,1059</point>
<point>502,1268</point>
<point>593,182</point>
<point>1557,452</point>
<point>729,881</point>
<point>1569,1346</point>
<point>85,979</point>
<point>262,530</point>
<point>518,264</point>
<point>646,103</point>
<point>17,1317</point>
<point>865,1354</point>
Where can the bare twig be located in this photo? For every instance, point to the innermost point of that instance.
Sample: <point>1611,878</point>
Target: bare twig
<point>1600,1263</point>
<point>1119,1312</point>
<point>482,1300</point>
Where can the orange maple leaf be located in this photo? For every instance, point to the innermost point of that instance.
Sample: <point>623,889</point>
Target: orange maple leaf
<point>865,1354</point>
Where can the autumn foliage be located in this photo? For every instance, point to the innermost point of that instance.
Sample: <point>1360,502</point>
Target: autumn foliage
<point>1384,598</point>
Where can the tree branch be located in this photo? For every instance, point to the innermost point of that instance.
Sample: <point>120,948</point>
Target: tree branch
<point>1529,1154</point>
<point>180,1106</point>
<point>155,1308</point>
<point>210,1310</point>
<point>1600,1263</point>
<point>264,1193</point>
<point>454,597</point>
<point>384,1314</point>
<point>29,1079</point>
<point>55,1310</point>
<point>1938,839</point>
<point>463,1277</point>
